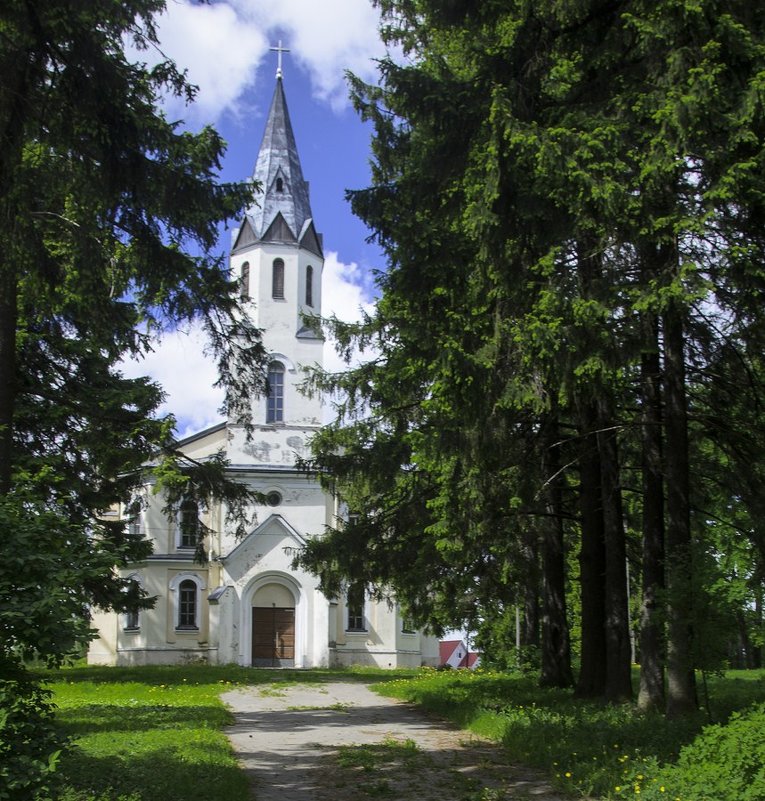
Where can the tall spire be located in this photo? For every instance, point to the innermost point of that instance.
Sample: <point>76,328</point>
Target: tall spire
<point>283,190</point>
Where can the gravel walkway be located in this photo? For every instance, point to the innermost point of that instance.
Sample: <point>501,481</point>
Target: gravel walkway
<point>341,741</point>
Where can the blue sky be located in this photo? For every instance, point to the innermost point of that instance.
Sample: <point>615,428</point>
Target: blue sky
<point>225,47</point>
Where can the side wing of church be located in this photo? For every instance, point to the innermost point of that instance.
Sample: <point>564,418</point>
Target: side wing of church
<point>247,605</point>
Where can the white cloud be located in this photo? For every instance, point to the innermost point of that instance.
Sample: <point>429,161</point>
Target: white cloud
<point>327,38</point>
<point>223,44</point>
<point>179,364</point>
<point>220,50</point>
<point>343,296</point>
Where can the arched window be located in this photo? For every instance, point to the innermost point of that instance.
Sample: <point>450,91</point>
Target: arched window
<point>187,605</point>
<point>309,286</point>
<point>244,284</point>
<point>188,524</point>
<point>279,185</point>
<point>277,284</point>
<point>275,400</point>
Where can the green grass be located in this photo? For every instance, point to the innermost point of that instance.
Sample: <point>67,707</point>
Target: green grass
<point>142,734</point>
<point>374,769</point>
<point>589,749</point>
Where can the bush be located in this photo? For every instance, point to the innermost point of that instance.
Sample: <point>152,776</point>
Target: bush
<point>726,762</point>
<point>29,742</point>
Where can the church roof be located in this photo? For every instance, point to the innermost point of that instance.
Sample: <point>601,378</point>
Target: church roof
<point>282,210</point>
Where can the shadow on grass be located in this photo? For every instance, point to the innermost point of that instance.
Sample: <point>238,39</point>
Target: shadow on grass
<point>586,746</point>
<point>165,773</point>
<point>86,719</point>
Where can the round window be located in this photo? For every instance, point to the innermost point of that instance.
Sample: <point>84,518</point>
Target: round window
<point>273,498</point>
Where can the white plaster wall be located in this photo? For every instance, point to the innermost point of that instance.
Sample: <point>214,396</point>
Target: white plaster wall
<point>281,319</point>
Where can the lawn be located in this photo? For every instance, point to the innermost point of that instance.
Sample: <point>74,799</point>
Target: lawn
<point>142,734</point>
<point>594,750</point>
<point>147,733</point>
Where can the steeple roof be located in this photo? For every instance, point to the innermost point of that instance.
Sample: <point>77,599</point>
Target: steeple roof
<point>283,190</point>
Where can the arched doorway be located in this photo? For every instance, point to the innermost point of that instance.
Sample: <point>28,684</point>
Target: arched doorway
<point>273,627</point>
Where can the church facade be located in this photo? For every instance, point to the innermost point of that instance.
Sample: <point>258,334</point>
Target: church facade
<point>246,604</point>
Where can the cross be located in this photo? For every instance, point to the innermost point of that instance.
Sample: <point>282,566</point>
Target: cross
<point>279,49</point>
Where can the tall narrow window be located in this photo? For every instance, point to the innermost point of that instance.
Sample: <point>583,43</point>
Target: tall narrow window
<point>277,284</point>
<point>279,185</point>
<point>355,608</point>
<point>133,515</point>
<point>309,286</point>
<point>275,400</point>
<point>244,286</point>
<point>187,605</point>
<point>188,524</point>
<point>132,621</point>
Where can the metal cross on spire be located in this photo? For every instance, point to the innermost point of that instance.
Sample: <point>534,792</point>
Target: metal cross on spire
<point>279,49</point>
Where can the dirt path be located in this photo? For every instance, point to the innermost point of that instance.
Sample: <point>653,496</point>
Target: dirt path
<point>342,742</point>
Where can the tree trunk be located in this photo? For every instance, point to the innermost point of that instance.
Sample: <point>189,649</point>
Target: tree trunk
<point>651,692</point>
<point>556,645</point>
<point>758,649</point>
<point>8,316</point>
<point>592,561</point>
<point>618,650</point>
<point>530,602</point>
<point>20,68</point>
<point>681,683</point>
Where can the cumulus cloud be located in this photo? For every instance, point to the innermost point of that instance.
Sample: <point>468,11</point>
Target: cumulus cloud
<point>343,296</point>
<point>326,38</point>
<point>219,50</point>
<point>179,363</point>
<point>222,45</point>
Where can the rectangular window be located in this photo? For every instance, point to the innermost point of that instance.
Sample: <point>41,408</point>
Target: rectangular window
<point>133,511</point>
<point>355,608</point>
<point>244,286</point>
<point>131,620</point>
<point>188,522</point>
<point>275,400</point>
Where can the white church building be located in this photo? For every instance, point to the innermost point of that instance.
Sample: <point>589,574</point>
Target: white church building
<point>247,605</point>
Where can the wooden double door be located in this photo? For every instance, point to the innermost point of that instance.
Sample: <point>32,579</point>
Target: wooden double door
<point>273,636</point>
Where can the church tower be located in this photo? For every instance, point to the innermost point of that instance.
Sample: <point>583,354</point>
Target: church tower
<point>277,257</point>
<point>249,603</point>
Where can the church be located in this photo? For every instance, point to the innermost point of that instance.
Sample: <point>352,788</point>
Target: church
<point>247,605</point>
